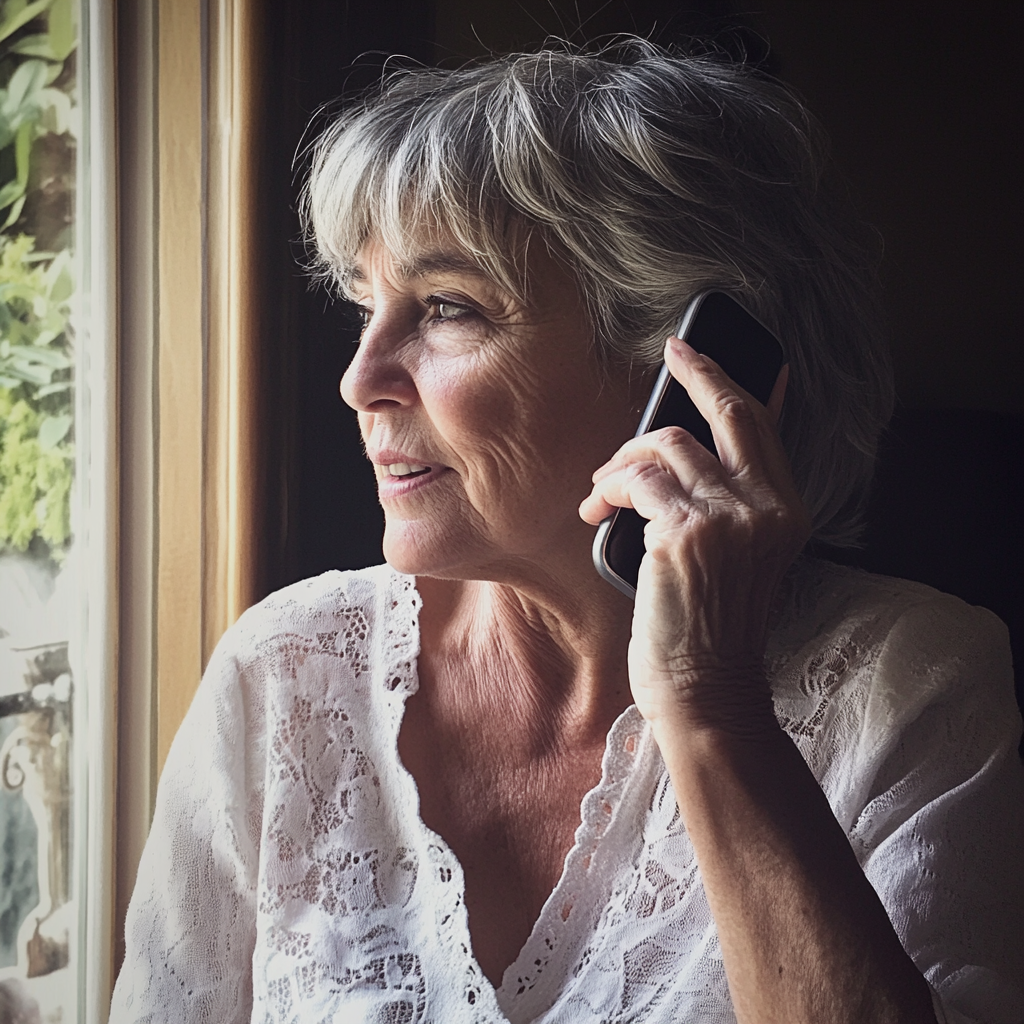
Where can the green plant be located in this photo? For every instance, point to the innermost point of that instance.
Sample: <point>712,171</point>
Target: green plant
<point>37,133</point>
<point>35,397</point>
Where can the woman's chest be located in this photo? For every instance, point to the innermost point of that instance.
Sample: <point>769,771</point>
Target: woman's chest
<point>379,924</point>
<point>511,822</point>
<point>364,909</point>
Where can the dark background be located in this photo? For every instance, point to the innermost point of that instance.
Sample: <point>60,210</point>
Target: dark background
<point>923,105</point>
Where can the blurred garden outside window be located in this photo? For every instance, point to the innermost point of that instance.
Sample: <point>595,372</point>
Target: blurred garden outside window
<point>56,513</point>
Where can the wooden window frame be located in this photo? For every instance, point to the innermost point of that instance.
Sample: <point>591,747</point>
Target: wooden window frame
<point>188,93</point>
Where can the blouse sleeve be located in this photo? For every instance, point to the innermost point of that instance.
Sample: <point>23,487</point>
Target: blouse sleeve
<point>942,836</point>
<point>190,928</point>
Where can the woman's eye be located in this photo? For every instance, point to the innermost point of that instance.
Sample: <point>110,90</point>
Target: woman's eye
<point>449,310</point>
<point>359,318</point>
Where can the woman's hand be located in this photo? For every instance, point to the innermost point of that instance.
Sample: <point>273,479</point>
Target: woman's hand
<point>804,936</point>
<point>720,536</point>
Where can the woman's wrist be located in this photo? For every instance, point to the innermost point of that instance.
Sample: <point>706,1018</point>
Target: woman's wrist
<point>730,703</point>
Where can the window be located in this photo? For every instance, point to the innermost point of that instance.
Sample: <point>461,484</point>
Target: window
<point>56,522</point>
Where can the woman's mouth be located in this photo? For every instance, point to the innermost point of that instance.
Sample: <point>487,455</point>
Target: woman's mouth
<point>405,469</point>
<point>397,479</point>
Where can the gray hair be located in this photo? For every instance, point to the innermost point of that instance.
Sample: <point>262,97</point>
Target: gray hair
<point>654,177</point>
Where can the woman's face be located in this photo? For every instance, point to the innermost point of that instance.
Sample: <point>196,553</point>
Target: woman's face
<point>484,419</point>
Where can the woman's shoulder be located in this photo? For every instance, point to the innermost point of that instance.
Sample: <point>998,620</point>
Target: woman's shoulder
<point>347,608</point>
<point>862,656</point>
<point>821,599</point>
<point>340,633</point>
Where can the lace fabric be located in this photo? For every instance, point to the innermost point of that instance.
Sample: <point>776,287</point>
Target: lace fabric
<point>289,878</point>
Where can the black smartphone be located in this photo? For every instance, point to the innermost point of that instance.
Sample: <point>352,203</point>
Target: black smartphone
<point>716,325</point>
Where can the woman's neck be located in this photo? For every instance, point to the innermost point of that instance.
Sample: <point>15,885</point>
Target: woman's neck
<point>546,661</point>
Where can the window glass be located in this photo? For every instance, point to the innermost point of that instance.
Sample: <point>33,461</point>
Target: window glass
<point>39,904</point>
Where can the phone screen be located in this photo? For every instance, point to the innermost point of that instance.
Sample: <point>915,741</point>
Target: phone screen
<point>718,326</point>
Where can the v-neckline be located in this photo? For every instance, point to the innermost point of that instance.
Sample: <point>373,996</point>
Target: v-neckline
<point>523,985</point>
<point>598,812</point>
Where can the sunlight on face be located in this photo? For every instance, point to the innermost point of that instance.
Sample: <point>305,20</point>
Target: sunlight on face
<point>484,418</point>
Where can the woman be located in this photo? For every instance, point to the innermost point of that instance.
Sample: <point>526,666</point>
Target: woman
<point>478,784</point>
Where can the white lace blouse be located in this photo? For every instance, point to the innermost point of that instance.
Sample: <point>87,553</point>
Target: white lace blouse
<point>289,878</point>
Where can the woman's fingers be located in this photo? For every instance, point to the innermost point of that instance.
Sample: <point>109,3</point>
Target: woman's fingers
<point>667,472</point>
<point>669,463</point>
<point>743,429</point>
<point>643,479</point>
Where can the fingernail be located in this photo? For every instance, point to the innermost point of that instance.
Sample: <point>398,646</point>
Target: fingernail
<point>679,347</point>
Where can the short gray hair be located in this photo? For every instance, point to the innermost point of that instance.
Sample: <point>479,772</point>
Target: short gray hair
<point>654,176</point>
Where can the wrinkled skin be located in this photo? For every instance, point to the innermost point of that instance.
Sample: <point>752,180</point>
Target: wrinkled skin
<point>506,406</point>
<point>719,539</point>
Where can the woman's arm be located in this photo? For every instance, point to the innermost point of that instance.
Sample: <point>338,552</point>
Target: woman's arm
<point>803,934</point>
<point>191,923</point>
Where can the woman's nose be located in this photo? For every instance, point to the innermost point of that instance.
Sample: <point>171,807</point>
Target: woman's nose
<point>377,374</point>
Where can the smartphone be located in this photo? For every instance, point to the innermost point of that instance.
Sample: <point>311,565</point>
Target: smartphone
<point>716,325</point>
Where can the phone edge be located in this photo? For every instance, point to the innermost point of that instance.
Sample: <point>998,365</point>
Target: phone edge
<point>653,402</point>
<point>601,563</point>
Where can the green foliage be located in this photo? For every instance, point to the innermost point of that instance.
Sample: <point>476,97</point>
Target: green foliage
<point>37,130</point>
<point>36,456</point>
<point>36,476</point>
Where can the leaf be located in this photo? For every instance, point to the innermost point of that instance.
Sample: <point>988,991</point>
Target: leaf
<point>30,374</point>
<point>54,110</point>
<point>22,151</point>
<point>9,193</point>
<point>18,290</point>
<point>53,430</point>
<point>53,389</point>
<point>6,127</point>
<point>58,43</point>
<point>57,278</point>
<point>63,31</point>
<point>75,122</point>
<point>32,354</point>
<point>54,322</point>
<point>26,81</point>
<point>20,333</point>
<point>33,46</point>
<point>46,356</point>
<point>15,213</point>
<point>62,286</point>
<point>18,13</point>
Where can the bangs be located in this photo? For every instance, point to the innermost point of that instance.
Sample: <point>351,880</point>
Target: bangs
<point>422,177</point>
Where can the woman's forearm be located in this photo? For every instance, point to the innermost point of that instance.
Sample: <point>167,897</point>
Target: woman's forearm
<point>804,936</point>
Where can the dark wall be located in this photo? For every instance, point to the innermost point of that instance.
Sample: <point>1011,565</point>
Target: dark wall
<point>923,102</point>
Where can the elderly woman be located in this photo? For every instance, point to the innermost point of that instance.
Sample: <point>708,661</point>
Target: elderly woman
<point>478,783</point>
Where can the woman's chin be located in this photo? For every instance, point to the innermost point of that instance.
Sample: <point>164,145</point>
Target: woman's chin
<point>409,551</point>
<point>400,562</point>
